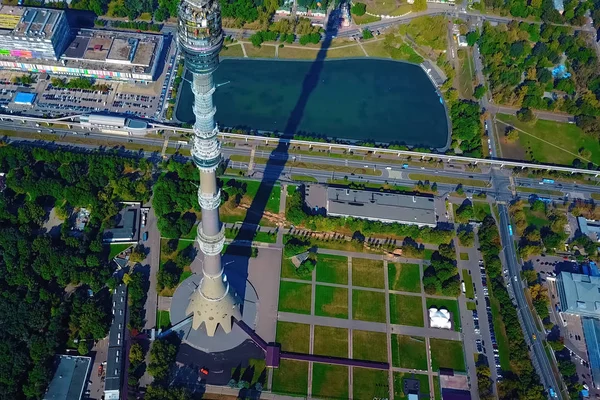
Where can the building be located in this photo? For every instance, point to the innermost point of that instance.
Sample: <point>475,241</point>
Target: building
<point>40,40</point>
<point>70,378</point>
<point>24,98</point>
<point>33,33</point>
<point>579,294</point>
<point>115,124</point>
<point>125,231</point>
<point>589,228</point>
<point>384,207</point>
<point>462,41</point>
<point>591,332</point>
<point>113,381</point>
<point>440,318</point>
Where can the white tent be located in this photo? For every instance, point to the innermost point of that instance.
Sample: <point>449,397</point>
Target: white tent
<point>439,318</point>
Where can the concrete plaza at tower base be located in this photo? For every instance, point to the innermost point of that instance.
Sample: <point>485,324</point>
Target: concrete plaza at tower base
<point>199,339</point>
<point>256,280</point>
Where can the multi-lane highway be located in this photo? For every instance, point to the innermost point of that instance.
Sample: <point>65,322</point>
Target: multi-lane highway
<point>532,336</point>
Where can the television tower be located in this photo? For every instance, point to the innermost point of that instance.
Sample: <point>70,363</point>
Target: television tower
<point>200,38</point>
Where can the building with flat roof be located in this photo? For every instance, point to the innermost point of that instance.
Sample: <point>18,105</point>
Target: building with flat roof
<point>591,332</point>
<point>33,33</point>
<point>384,207</point>
<point>24,98</point>
<point>113,381</point>
<point>70,378</point>
<point>40,40</point>
<point>125,231</point>
<point>589,228</point>
<point>579,294</point>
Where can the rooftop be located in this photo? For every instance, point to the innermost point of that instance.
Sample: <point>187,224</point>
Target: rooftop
<point>386,207</point>
<point>29,22</point>
<point>125,48</point>
<point>125,231</point>
<point>70,378</point>
<point>579,294</point>
<point>591,331</point>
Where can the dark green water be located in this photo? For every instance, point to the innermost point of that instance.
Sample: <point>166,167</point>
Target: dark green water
<point>361,99</point>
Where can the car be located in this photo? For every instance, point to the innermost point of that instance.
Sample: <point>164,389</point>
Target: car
<point>145,236</point>
<point>534,337</point>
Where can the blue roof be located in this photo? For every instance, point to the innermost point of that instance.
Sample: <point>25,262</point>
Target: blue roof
<point>24,98</point>
<point>591,332</point>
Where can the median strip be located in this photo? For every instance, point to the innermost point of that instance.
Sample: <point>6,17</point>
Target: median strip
<point>448,179</point>
<point>308,165</point>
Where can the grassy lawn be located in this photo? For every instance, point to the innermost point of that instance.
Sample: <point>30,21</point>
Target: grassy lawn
<point>399,387</point>
<point>364,19</point>
<point>448,179</point>
<point>469,291</point>
<point>288,270</point>
<point>329,341</point>
<point>466,74</point>
<point>332,269</point>
<point>370,383</point>
<point>291,378</point>
<point>471,305</point>
<point>232,50</point>
<point>368,345</point>
<point>331,301</point>
<point>163,319</point>
<point>252,188</point>
<point>376,49</point>
<point>294,297</point>
<point>406,310</point>
<point>563,141</point>
<point>254,372</point>
<point>437,392</point>
<point>450,305</point>
<point>427,31</point>
<point>368,306</point>
<point>481,209</point>
<point>409,352</point>
<point>367,273</point>
<point>536,218</point>
<point>304,178</point>
<point>116,249</point>
<point>383,7</point>
<point>501,338</point>
<point>349,51</point>
<point>260,237</point>
<point>447,354</point>
<point>404,277</point>
<point>264,51</point>
<point>464,256</point>
<point>293,337</point>
<point>330,381</point>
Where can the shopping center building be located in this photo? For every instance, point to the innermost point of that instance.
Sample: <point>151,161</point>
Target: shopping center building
<point>40,40</point>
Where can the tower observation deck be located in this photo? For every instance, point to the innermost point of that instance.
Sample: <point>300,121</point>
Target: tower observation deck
<point>200,38</point>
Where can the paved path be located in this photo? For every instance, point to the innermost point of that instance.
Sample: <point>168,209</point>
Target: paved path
<point>426,318</point>
<point>164,303</point>
<point>153,261</point>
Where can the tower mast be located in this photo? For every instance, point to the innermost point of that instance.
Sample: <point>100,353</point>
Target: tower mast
<point>200,38</point>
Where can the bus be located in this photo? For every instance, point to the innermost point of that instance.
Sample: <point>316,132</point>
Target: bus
<point>510,231</point>
<point>549,181</point>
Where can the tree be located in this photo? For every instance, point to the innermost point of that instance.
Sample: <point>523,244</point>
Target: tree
<point>526,115</point>
<point>472,37</point>
<point>162,356</point>
<point>138,254</point>
<point>479,91</point>
<point>512,135</point>
<point>367,34</point>
<point>359,9</point>
<point>419,5</point>
<point>136,354</point>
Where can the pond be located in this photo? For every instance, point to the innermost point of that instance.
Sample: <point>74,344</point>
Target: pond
<point>356,99</point>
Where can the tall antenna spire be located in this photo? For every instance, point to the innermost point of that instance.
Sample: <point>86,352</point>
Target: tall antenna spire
<point>200,38</point>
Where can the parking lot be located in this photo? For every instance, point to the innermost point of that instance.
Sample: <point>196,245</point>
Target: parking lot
<point>141,100</point>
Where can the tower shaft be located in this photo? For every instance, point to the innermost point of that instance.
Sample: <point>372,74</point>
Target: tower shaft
<point>200,38</point>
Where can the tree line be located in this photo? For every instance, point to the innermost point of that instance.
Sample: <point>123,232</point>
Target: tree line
<point>38,318</point>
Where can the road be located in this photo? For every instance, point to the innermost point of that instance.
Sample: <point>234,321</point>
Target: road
<point>539,358</point>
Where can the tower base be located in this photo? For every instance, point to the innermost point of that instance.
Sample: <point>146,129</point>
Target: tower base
<point>199,338</point>
<point>213,313</point>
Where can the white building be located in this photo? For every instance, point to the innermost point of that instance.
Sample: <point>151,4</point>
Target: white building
<point>440,318</point>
